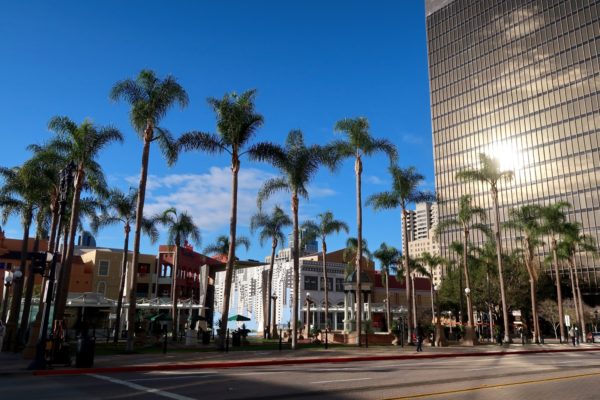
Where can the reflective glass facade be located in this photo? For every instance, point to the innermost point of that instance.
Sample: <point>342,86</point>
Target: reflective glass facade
<point>518,80</point>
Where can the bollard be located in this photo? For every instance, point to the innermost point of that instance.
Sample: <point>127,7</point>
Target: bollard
<point>326,336</point>
<point>165,339</point>
<point>227,341</point>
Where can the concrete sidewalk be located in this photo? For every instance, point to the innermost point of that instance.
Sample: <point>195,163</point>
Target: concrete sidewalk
<point>11,363</point>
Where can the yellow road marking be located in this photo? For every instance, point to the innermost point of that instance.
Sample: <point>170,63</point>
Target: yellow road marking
<point>499,385</point>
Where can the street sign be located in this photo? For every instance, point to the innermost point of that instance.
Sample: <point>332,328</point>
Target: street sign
<point>567,320</point>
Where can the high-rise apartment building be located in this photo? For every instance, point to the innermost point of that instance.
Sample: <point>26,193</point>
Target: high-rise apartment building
<point>421,223</point>
<point>518,80</point>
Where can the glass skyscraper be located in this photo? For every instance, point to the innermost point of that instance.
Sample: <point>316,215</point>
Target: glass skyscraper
<point>518,80</point>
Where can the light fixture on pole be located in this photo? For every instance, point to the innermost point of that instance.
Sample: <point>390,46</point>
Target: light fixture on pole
<point>8,278</point>
<point>308,303</point>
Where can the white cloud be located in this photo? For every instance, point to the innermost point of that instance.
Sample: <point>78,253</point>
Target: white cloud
<point>375,180</point>
<point>207,197</point>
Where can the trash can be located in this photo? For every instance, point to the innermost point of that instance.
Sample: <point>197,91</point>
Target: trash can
<point>84,355</point>
<point>205,337</point>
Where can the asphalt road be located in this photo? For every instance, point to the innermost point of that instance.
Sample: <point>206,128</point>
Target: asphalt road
<point>536,376</point>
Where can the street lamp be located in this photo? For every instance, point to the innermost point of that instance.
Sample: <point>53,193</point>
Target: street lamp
<point>8,278</point>
<point>272,325</point>
<point>308,303</point>
<point>66,181</point>
<point>596,316</point>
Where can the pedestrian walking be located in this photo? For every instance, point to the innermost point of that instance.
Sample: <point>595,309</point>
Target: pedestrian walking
<point>420,337</point>
<point>572,335</point>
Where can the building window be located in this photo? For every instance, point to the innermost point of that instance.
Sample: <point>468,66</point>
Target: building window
<point>103,268</point>
<point>101,288</point>
<point>329,284</point>
<point>311,283</point>
<point>339,285</point>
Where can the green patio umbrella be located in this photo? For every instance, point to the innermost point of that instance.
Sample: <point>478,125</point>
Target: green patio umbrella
<point>238,318</point>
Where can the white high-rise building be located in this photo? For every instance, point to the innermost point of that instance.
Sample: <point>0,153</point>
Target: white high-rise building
<point>421,235</point>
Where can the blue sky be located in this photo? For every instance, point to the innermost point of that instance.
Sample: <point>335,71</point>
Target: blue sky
<point>312,63</point>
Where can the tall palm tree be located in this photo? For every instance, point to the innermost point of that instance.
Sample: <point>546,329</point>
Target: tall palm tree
<point>298,164</point>
<point>119,208</point>
<point>81,143</point>
<point>526,219</point>
<point>405,190</point>
<point>237,123</point>
<point>465,220</point>
<point>19,195</point>
<point>489,173</point>
<point>359,143</point>
<point>150,98</point>
<point>325,225</point>
<point>271,227</point>
<point>180,227</point>
<point>573,242</point>
<point>221,245</point>
<point>388,256</point>
<point>553,225</point>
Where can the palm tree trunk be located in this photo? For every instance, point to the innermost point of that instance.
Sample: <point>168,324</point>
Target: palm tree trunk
<point>175,292</point>
<point>10,335</point>
<point>500,273</point>
<point>579,299</point>
<point>532,291</point>
<point>122,284</point>
<point>359,298</point>
<point>139,215</point>
<point>409,322</point>
<point>29,285</point>
<point>414,299</point>
<point>296,271</point>
<point>62,291</point>
<point>431,295</point>
<point>271,326</point>
<point>54,221</point>
<point>561,318</point>
<point>388,312</point>
<point>235,168</point>
<point>574,294</point>
<point>467,278</point>
<point>324,245</point>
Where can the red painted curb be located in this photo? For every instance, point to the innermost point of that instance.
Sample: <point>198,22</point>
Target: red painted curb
<point>287,361</point>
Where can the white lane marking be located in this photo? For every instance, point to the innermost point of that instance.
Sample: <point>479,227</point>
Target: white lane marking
<point>142,388</point>
<point>162,378</point>
<point>343,380</point>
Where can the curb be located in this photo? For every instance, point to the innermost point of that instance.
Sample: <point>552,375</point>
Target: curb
<point>287,361</point>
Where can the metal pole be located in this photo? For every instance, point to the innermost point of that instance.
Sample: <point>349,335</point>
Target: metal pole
<point>280,336</point>
<point>227,341</point>
<point>165,339</point>
<point>326,338</point>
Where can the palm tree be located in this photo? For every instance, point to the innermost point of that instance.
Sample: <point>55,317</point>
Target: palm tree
<point>271,227</point>
<point>221,245</point>
<point>490,173</point>
<point>526,219</point>
<point>237,123</point>
<point>573,242</point>
<point>405,183</point>
<point>298,164</point>
<point>150,98</point>
<point>387,256</point>
<point>119,208</point>
<point>553,225</point>
<point>431,261</point>
<point>180,228</point>
<point>82,144</point>
<point>359,143</point>
<point>325,225</point>
<point>20,195</point>
<point>464,220</point>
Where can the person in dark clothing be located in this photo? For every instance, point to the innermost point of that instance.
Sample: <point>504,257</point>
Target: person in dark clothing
<point>420,337</point>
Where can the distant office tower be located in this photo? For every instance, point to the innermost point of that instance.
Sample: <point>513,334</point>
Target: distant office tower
<point>518,80</point>
<point>421,223</point>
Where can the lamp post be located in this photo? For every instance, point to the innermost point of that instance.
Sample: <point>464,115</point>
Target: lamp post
<point>11,324</point>
<point>451,321</point>
<point>596,317</point>
<point>308,303</point>
<point>8,278</point>
<point>66,181</point>
<point>470,337</point>
<point>273,325</point>
<point>440,336</point>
